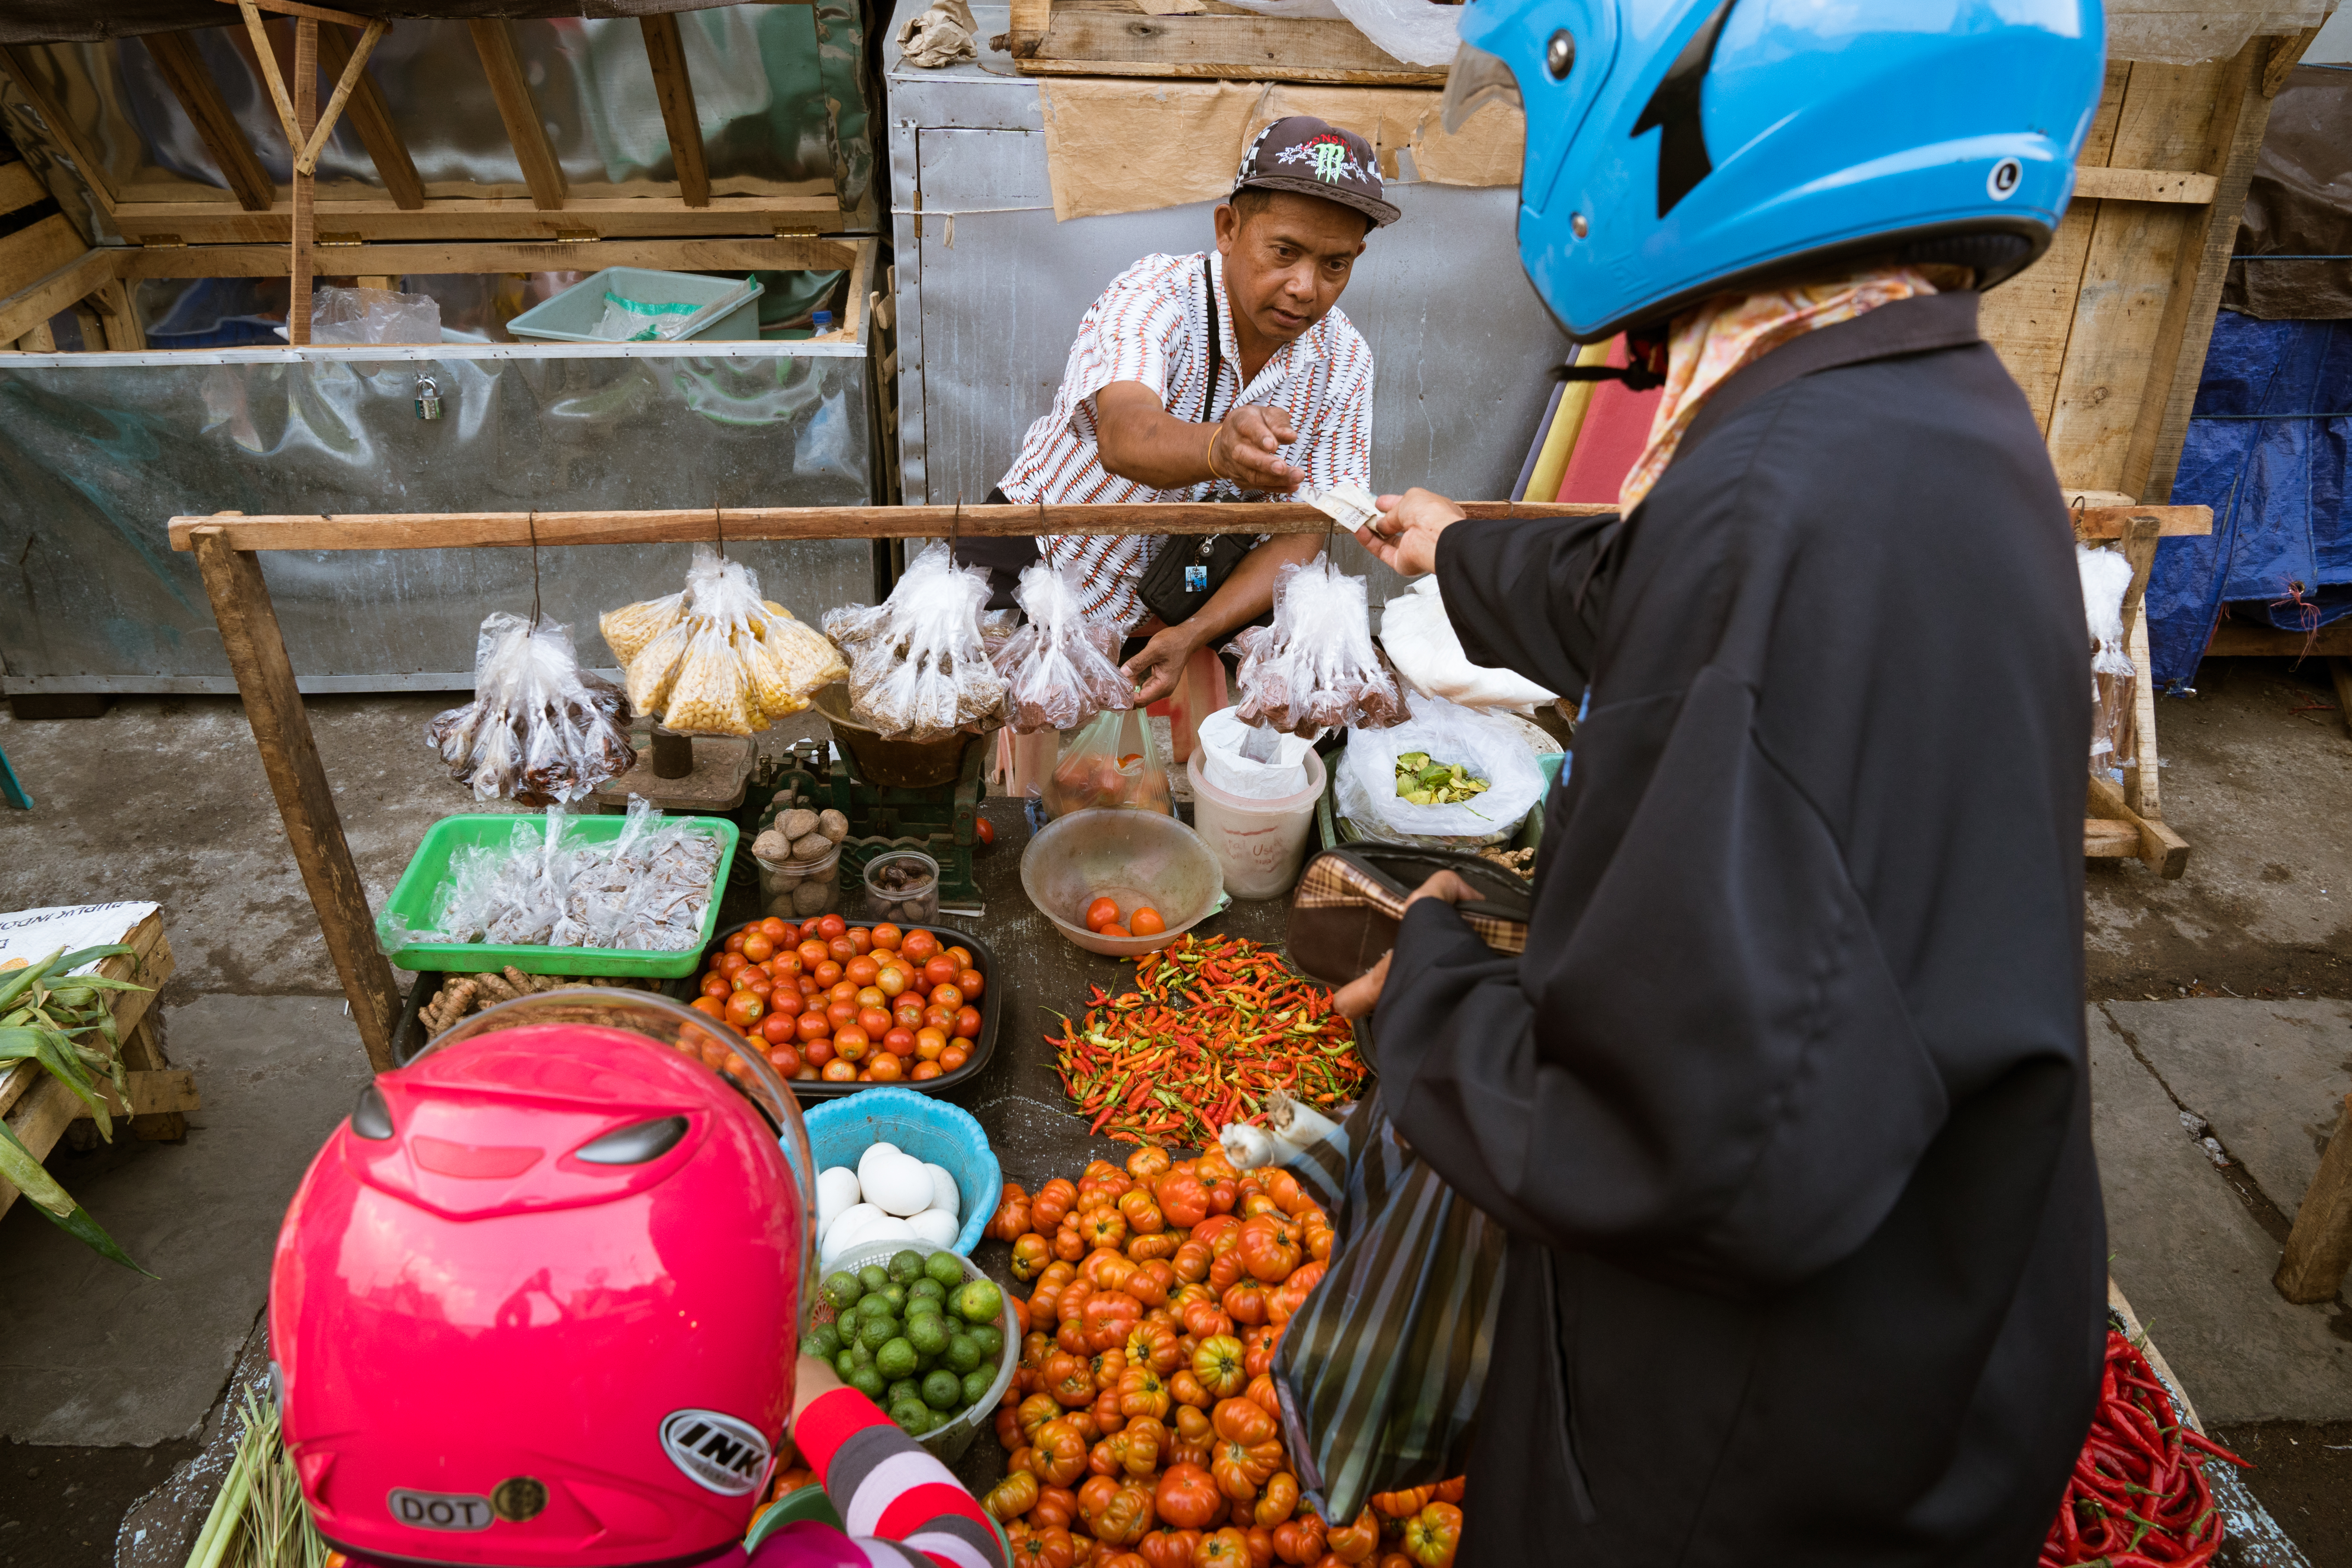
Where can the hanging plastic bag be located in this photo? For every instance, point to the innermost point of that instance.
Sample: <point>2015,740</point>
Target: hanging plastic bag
<point>1062,668</point>
<point>1368,791</point>
<point>918,670</point>
<point>1315,667</point>
<point>539,728</point>
<point>1112,764</point>
<point>1418,32</point>
<point>1380,1370</point>
<point>716,658</point>
<point>1420,641</point>
<point>373,316</point>
<point>2114,679</point>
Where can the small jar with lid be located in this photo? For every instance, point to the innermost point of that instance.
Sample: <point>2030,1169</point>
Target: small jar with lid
<point>902,886</point>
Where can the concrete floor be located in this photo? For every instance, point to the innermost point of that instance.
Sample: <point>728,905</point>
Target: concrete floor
<point>2222,993</point>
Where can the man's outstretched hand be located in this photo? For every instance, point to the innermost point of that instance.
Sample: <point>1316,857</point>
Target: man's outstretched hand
<point>1405,536</point>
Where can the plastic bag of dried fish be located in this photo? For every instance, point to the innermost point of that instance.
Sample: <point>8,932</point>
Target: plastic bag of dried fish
<point>1062,668</point>
<point>1316,668</point>
<point>540,729</point>
<point>645,888</point>
<point>918,670</point>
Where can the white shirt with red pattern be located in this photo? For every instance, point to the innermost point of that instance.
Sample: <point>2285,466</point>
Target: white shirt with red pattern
<point>1150,325</point>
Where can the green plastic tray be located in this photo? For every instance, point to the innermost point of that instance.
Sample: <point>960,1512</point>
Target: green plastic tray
<point>428,868</point>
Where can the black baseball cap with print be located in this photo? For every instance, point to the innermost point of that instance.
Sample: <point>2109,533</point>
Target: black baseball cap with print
<point>1314,158</point>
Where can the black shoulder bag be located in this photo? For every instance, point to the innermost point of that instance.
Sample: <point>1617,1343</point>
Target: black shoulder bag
<point>1188,569</point>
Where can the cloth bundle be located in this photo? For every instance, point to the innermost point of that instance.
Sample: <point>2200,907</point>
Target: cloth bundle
<point>644,889</point>
<point>716,658</point>
<point>540,729</point>
<point>918,669</point>
<point>1316,668</point>
<point>1062,667</point>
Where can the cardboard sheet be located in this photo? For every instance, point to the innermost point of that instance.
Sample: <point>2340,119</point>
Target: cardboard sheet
<point>1121,146</point>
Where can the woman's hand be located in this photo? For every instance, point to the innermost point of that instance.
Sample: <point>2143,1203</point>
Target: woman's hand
<point>1161,665</point>
<point>1357,998</point>
<point>812,1379</point>
<point>1405,536</point>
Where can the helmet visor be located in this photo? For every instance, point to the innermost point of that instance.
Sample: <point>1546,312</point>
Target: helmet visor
<point>1475,80</point>
<point>694,1036</point>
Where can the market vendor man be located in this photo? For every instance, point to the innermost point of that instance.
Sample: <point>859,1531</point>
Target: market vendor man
<point>1786,1107</point>
<point>1223,374</point>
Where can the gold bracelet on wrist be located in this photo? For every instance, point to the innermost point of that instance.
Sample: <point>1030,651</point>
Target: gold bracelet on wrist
<point>1215,432</point>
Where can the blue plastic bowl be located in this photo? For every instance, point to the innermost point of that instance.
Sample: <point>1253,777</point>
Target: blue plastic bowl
<point>840,1130</point>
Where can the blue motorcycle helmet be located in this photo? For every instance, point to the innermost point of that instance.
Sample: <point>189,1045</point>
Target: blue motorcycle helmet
<point>1677,149</point>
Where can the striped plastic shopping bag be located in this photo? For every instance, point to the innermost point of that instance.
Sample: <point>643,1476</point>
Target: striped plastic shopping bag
<point>1380,1370</point>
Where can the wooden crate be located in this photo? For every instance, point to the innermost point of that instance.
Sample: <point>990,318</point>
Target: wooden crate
<point>38,1108</point>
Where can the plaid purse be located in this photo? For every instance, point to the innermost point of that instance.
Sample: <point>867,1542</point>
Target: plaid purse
<point>1345,909</point>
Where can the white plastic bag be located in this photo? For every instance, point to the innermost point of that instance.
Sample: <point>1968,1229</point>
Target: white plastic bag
<point>1222,735</point>
<point>1418,32</point>
<point>918,670</point>
<point>539,728</point>
<point>1488,748</point>
<point>373,316</point>
<point>2114,679</point>
<point>1420,641</point>
<point>1316,668</point>
<point>1062,668</point>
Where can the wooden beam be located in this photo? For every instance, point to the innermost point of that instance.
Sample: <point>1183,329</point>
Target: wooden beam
<point>2319,1247</point>
<point>540,171</point>
<point>182,68</point>
<point>2162,850</point>
<point>348,77</point>
<point>37,1121</point>
<point>379,218</point>
<point>38,250</point>
<point>20,187</point>
<point>2169,393</point>
<point>372,117</point>
<point>123,332</point>
<point>2105,840</point>
<point>2243,639</point>
<point>153,1092</point>
<point>295,8</point>
<point>306,184</point>
<point>281,728</point>
<point>31,83</point>
<point>32,306</point>
<point>273,72</point>
<point>2095,184</point>
<point>1251,48</point>
<point>665,52</point>
<point>392,260</point>
<point>142,1052</point>
<point>2286,53</point>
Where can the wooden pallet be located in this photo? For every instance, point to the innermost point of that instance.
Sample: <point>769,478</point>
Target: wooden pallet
<point>2126,822</point>
<point>1198,38</point>
<point>38,1108</point>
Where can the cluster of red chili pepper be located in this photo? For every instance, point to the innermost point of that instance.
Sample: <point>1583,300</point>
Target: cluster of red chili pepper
<point>1212,1029</point>
<point>2138,1497</point>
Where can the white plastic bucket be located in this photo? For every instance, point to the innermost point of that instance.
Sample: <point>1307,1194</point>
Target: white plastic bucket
<point>1258,843</point>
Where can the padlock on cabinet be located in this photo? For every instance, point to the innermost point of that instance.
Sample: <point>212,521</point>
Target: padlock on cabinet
<point>428,398</point>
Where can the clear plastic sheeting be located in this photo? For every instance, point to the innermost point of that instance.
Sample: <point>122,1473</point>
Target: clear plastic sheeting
<point>644,891</point>
<point>373,316</point>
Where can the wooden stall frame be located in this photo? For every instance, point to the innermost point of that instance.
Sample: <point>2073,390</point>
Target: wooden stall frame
<point>227,547</point>
<point>38,1108</point>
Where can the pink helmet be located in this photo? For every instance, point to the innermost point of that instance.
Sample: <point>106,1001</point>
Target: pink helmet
<point>536,1302</point>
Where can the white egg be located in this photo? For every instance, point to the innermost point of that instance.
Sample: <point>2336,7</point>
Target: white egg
<point>898,1185</point>
<point>836,1191</point>
<point>873,1152</point>
<point>935,1226</point>
<point>845,1226</point>
<point>943,1190</point>
<point>885,1230</point>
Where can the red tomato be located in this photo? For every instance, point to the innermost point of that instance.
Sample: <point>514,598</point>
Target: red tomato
<point>714,1005</point>
<point>786,1000</point>
<point>841,991</point>
<point>785,965</point>
<point>716,985</point>
<point>745,1009</point>
<point>946,996</point>
<point>735,942</point>
<point>839,1071</point>
<point>850,1044</point>
<point>941,1018</point>
<point>871,996</point>
<point>967,981</point>
<point>931,1043</point>
<point>889,936</point>
<point>967,1023</point>
<point>962,955</point>
<point>884,1068</point>
<point>779,1029</point>
<point>808,985</point>
<point>816,1052</point>
<point>862,939</point>
<point>831,926</point>
<point>953,1057</point>
<point>828,973</point>
<point>891,978</point>
<point>757,948</point>
<point>1101,912</point>
<point>939,971</point>
<point>783,933</point>
<point>924,1071</point>
<point>907,1013</point>
<point>842,950</point>
<point>784,1060</point>
<point>899,1042</point>
<point>812,1025</point>
<point>985,831</point>
<point>811,954</point>
<point>841,1015</point>
<point>919,946</point>
<point>860,969</point>
<point>756,982</point>
<point>874,1021</point>
<point>731,964</point>
<point>1114,929</point>
<point>1147,922</point>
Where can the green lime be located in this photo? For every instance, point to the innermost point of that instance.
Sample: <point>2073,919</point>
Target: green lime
<point>976,1386</point>
<point>978,1302</point>
<point>906,1266</point>
<point>915,1419</point>
<point>823,1340</point>
<point>875,1332</point>
<point>945,1269</point>
<point>843,1364</point>
<point>905,1391</point>
<point>842,1290</point>
<point>928,1291</point>
<point>873,1276</point>
<point>875,1305</point>
<point>867,1381</point>
<point>924,1307</point>
<point>929,1332</point>
<point>895,1360</point>
<point>963,1353</point>
<point>896,1294</point>
<point>943,1390</point>
<point>991,1340</point>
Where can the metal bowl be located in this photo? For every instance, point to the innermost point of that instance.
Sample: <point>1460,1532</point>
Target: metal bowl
<point>1131,857</point>
<point>894,765</point>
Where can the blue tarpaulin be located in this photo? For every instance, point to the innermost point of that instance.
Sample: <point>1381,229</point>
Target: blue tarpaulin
<point>2267,450</point>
